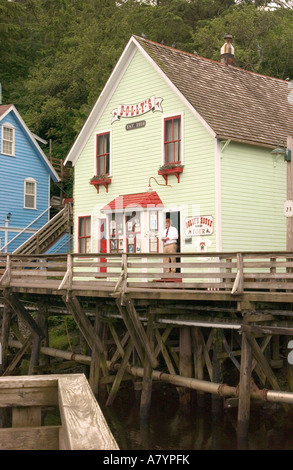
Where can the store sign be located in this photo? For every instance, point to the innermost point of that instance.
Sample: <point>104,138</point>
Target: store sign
<point>135,125</point>
<point>199,226</point>
<point>132,110</point>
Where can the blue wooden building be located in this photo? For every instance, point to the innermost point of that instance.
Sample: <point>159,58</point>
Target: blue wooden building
<point>25,178</point>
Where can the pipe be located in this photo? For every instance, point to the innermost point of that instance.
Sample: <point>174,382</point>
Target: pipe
<point>69,356</point>
<point>194,384</point>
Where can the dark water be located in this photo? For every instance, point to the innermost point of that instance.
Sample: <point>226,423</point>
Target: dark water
<point>171,428</point>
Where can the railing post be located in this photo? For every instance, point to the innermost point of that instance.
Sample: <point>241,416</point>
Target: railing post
<point>238,283</point>
<point>124,269</point>
<point>70,271</point>
<point>6,278</point>
<point>240,270</point>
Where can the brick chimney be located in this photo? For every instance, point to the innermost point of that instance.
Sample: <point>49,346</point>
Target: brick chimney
<point>227,51</point>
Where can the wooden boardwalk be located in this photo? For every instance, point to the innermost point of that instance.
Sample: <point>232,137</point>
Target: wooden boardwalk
<point>139,320</point>
<point>254,276</point>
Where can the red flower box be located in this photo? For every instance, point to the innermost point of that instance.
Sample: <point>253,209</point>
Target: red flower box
<point>176,170</point>
<point>104,181</point>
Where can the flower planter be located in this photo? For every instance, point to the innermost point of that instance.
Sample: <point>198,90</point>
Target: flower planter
<point>104,181</point>
<point>171,171</point>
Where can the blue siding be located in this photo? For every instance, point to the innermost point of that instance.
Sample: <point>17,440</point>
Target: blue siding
<point>61,246</point>
<point>27,163</point>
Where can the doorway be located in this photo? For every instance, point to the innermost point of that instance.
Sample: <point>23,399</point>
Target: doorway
<point>174,217</point>
<point>102,241</point>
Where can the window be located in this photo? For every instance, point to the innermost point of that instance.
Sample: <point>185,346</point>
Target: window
<point>30,192</point>
<point>172,140</point>
<point>84,234</point>
<point>103,154</point>
<point>7,140</point>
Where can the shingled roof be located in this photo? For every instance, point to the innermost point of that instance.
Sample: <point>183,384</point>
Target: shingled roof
<point>235,103</point>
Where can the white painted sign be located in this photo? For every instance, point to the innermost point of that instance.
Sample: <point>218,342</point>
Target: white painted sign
<point>199,226</point>
<point>288,208</point>
<point>137,109</point>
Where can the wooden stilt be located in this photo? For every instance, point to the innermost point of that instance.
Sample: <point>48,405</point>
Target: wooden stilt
<point>36,343</point>
<point>13,301</point>
<point>18,356</point>
<point>131,330</point>
<point>244,394</point>
<point>146,395</point>
<point>141,332</point>
<point>95,360</point>
<point>198,363</point>
<point>217,373</point>
<point>86,328</point>
<point>120,373</point>
<point>6,321</point>
<point>185,362</point>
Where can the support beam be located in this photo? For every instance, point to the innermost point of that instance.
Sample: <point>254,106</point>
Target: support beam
<point>146,394</point>
<point>185,362</point>
<point>5,327</point>
<point>120,373</point>
<point>124,314</point>
<point>95,360</point>
<point>244,394</point>
<point>86,328</point>
<point>19,309</point>
<point>141,332</point>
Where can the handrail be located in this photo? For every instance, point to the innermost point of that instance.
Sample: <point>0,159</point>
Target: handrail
<point>23,230</point>
<point>43,229</point>
<point>123,273</point>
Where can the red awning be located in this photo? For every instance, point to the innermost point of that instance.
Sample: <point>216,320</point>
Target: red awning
<point>149,200</point>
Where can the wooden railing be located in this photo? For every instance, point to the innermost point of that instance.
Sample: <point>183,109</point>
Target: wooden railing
<point>58,165</point>
<point>56,226</point>
<point>230,272</point>
<point>82,424</point>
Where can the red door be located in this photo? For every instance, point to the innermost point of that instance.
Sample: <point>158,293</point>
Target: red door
<point>103,243</point>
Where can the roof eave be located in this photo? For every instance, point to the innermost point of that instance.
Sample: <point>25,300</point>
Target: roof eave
<point>100,104</point>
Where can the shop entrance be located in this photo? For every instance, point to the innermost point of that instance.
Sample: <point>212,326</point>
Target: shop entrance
<point>174,217</point>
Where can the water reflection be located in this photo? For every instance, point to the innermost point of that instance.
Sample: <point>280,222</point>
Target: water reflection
<point>171,428</point>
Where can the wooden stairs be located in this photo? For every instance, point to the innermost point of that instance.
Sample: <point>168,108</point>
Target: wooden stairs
<point>38,243</point>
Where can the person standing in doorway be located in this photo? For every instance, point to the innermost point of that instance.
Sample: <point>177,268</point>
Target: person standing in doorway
<point>170,245</point>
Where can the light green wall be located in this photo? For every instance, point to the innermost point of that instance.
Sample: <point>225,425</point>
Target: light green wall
<point>136,154</point>
<point>253,194</point>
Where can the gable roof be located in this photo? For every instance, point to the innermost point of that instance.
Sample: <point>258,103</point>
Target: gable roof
<point>130,201</point>
<point>232,103</point>
<point>5,109</point>
<point>236,103</point>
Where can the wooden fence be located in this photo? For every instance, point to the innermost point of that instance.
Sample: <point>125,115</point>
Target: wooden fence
<point>83,426</point>
<point>234,273</point>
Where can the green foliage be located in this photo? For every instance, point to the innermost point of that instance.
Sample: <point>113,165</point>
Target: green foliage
<point>58,55</point>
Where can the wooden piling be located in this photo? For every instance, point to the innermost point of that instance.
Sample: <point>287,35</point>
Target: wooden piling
<point>145,401</point>
<point>185,362</point>
<point>198,364</point>
<point>94,375</point>
<point>244,394</point>
<point>6,321</point>
<point>217,373</point>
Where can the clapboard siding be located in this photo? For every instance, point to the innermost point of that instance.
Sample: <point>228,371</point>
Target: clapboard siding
<point>27,163</point>
<point>137,154</point>
<point>253,194</point>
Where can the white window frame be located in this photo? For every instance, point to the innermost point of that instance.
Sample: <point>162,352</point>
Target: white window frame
<point>7,125</point>
<point>167,116</point>
<point>30,180</point>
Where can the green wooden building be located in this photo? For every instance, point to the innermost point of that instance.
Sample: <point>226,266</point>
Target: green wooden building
<point>176,134</point>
